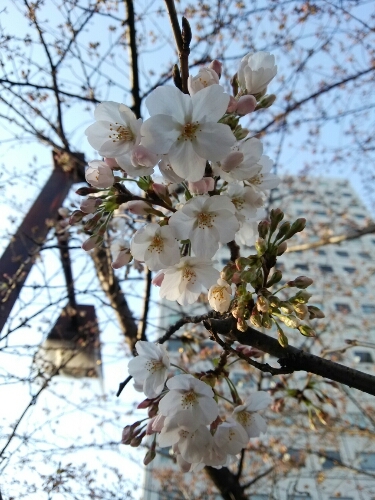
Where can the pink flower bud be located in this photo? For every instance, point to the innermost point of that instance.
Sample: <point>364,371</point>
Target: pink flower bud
<point>137,207</point>
<point>88,205</point>
<point>232,106</point>
<point>158,279</point>
<point>232,161</point>
<point>160,189</point>
<point>203,186</point>
<point>158,423</point>
<point>246,104</point>
<point>76,216</point>
<point>123,258</point>
<point>236,278</point>
<point>92,242</point>
<point>216,66</point>
<point>145,404</point>
<point>112,163</point>
<point>149,429</point>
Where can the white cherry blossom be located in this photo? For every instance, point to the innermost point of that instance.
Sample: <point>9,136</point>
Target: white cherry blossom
<point>206,221</point>
<point>150,367</point>
<point>99,174</point>
<point>237,166</point>
<point>246,201</point>
<point>185,127</point>
<point>230,438</point>
<point>116,130</point>
<point>139,162</point>
<point>156,246</point>
<point>260,176</point>
<point>190,401</point>
<point>185,281</point>
<point>246,414</point>
<point>204,78</point>
<point>219,296</point>
<point>256,71</point>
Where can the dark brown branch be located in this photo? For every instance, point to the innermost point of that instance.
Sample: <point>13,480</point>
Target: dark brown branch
<point>227,483</point>
<point>331,240</point>
<point>293,358</point>
<point>142,325</point>
<point>183,321</point>
<point>133,58</point>
<point>260,476</point>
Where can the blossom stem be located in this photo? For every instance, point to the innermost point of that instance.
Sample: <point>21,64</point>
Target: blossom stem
<point>179,367</point>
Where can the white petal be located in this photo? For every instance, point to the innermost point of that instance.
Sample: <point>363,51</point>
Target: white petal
<point>214,141</point>
<point>204,241</point>
<point>185,161</point>
<point>209,104</point>
<point>159,133</point>
<point>168,100</point>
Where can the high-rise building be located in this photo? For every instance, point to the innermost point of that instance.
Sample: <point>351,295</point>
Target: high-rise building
<point>320,443</point>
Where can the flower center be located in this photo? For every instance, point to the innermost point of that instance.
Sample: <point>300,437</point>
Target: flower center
<point>120,133</point>
<point>153,366</point>
<point>189,275</point>
<point>218,293</point>
<point>189,131</point>
<point>188,400</point>
<point>238,203</point>
<point>205,220</point>
<point>257,179</point>
<point>244,418</point>
<point>157,244</point>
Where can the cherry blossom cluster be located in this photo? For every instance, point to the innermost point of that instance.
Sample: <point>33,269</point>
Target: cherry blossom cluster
<point>184,414</point>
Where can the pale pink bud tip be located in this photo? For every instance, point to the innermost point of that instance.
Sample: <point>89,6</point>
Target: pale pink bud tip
<point>112,163</point>
<point>160,189</point>
<point>137,207</point>
<point>158,279</point>
<point>246,104</point>
<point>232,106</point>
<point>92,242</point>
<point>203,186</point>
<point>216,66</point>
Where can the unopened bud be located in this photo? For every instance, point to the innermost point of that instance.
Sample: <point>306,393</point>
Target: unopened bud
<point>281,248</point>
<point>232,106</point>
<point>283,230</point>
<point>286,307</point>
<point>274,301</point>
<point>248,276</point>
<point>240,132</point>
<point>260,246</point>
<point>275,278</point>
<point>149,457</point>
<point>263,228</point>
<point>266,321</point>
<point>255,318</point>
<point>246,104</point>
<point>93,222</point>
<point>209,379</point>
<point>160,189</point>
<point>238,312</point>
<point>301,297</point>
<point>262,304</point>
<point>281,337</point>
<point>92,242</point>
<point>84,191</point>
<point>290,321</point>
<point>76,216</point>
<point>241,263</point>
<point>276,216</point>
<point>145,404</point>
<point>88,205</point>
<point>315,312</point>
<point>297,226</point>
<point>306,331</point>
<point>266,102</point>
<point>303,282</point>
<point>138,207</point>
<point>227,272</point>
<point>301,311</point>
<point>216,66</point>
<point>136,441</point>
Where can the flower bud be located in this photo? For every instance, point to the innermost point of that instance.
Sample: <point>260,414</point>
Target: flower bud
<point>145,404</point>
<point>232,161</point>
<point>241,325</point>
<point>260,246</point>
<point>236,278</point>
<point>158,279</point>
<point>246,104</point>
<point>275,278</point>
<point>301,311</point>
<point>303,282</point>
<point>274,301</point>
<point>281,248</point>
<point>283,230</point>
<point>297,226</point>
<point>255,318</point>
<point>88,205</point>
<point>92,242</point>
<point>160,189</point>
<point>227,272</point>
<point>241,263</point>
<point>306,331</point>
<point>232,106</point>
<point>136,441</point>
<point>209,379</point>
<point>76,216</point>
<point>281,337</point>
<point>301,297</point>
<point>112,163</point>
<point>137,207</point>
<point>266,321</point>
<point>216,66</point>
<point>142,157</point>
<point>149,457</point>
<point>276,216</point>
<point>315,312</point>
<point>262,304</point>
<point>286,307</point>
<point>249,275</point>
<point>263,228</point>
<point>266,102</point>
<point>99,174</point>
<point>290,321</point>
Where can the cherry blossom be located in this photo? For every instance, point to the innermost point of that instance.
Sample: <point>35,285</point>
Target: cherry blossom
<point>185,127</point>
<point>219,296</point>
<point>260,176</point>
<point>139,162</point>
<point>156,246</point>
<point>238,164</point>
<point>99,174</point>
<point>116,130</point>
<point>205,78</point>
<point>246,201</point>
<point>229,439</point>
<point>246,414</point>
<point>190,401</point>
<point>206,221</point>
<point>185,281</point>
<point>120,253</point>
<point>150,367</point>
<point>256,71</point>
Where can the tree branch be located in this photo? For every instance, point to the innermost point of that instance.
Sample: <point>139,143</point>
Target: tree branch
<point>131,36</point>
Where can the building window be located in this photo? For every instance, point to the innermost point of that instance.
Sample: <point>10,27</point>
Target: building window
<point>309,191</point>
<point>368,308</point>
<point>330,193</point>
<point>350,270</point>
<point>363,357</point>
<point>321,252</point>
<point>316,202</point>
<point>343,308</point>
<point>326,269</point>
<point>297,200</point>
<point>347,195</point>
<point>330,459</point>
<point>299,496</point>
<point>365,255</point>
<point>302,267</point>
<point>359,216</point>
<point>260,496</point>
<point>319,212</point>
<point>341,498</point>
<point>342,253</point>
<point>367,461</point>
